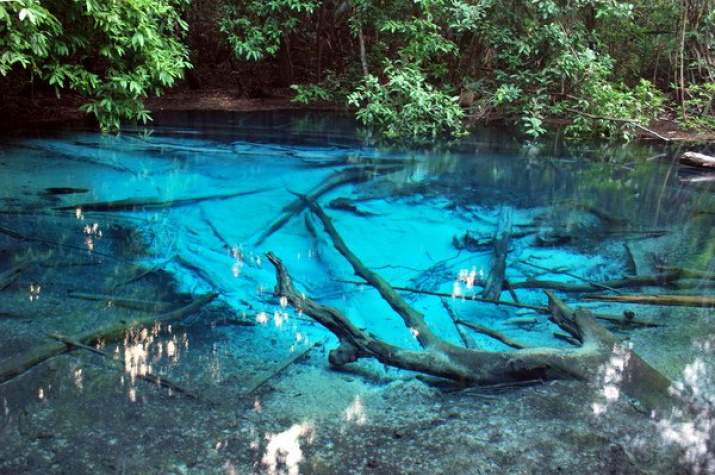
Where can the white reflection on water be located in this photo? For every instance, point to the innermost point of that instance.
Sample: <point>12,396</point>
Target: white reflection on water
<point>283,453</point>
<point>35,290</point>
<point>465,281</point>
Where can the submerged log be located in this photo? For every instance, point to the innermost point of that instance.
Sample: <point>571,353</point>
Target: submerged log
<point>502,236</point>
<point>18,364</point>
<point>657,299</point>
<point>443,359</point>
<point>151,202</point>
<point>700,160</point>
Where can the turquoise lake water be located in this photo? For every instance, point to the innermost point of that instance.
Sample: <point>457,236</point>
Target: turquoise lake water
<point>102,237</point>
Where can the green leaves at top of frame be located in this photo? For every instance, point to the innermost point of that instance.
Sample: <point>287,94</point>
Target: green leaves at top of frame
<point>63,42</point>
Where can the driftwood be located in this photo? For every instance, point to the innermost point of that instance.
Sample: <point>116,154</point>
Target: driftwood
<point>349,175</point>
<point>657,299</point>
<point>502,236</point>
<point>148,377</point>
<point>150,202</point>
<point>443,359</point>
<point>699,160</point>
<point>17,365</point>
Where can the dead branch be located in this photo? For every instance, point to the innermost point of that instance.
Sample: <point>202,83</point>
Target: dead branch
<point>18,364</point>
<point>558,271</point>
<point>466,338</point>
<point>493,334</point>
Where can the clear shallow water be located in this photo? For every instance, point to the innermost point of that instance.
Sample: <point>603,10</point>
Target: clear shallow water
<point>101,231</point>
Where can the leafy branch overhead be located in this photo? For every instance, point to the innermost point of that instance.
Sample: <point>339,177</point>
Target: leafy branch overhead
<point>114,54</point>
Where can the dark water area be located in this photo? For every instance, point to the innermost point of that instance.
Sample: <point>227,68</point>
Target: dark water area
<point>140,332</point>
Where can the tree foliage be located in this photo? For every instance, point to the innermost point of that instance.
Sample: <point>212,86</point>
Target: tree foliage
<point>112,53</point>
<point>411,68</point>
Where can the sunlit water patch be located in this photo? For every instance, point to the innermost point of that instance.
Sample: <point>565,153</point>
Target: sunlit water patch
<point>141,332</point>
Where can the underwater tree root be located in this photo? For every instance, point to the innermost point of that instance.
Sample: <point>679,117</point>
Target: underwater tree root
<point>443,359</point>
<point>19,364</point>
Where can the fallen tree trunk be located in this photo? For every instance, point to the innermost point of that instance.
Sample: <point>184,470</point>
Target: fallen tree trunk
<point>657,299</point>
<point>699,160</point>
<point>17,365</point>
<point>443,359</point>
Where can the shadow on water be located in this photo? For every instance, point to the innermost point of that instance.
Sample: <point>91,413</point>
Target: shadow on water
<point>139,332</point>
